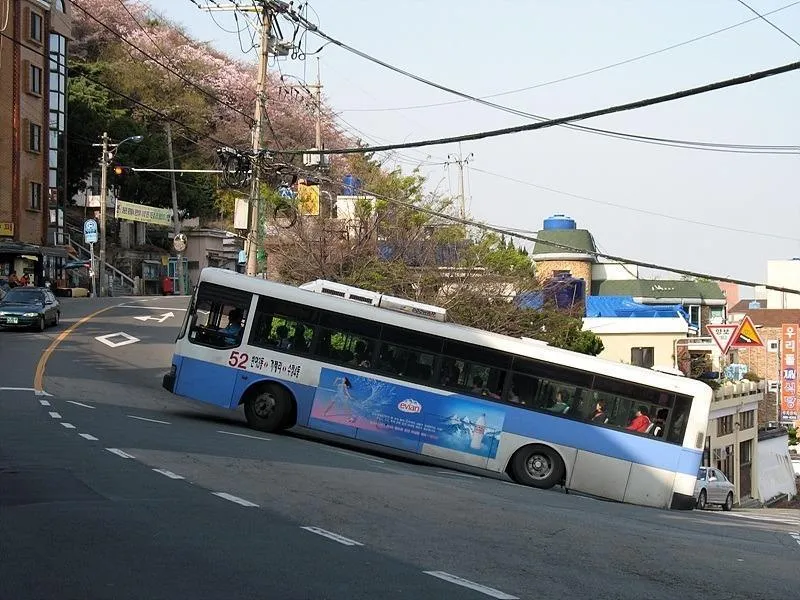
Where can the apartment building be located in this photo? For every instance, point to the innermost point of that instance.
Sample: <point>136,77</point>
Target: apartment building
<point>34,39</point>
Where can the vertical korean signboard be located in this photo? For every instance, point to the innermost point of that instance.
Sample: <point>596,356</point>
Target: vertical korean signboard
<point>788,412</point>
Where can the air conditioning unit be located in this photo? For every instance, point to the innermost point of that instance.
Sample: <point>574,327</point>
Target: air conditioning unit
<point>315,160</point>
<point>773,345</point>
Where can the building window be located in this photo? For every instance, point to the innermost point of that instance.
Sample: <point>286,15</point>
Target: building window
<point>747,419</point>
<point>724,425</point>
<point>745,452</point>
<point>60,6</point>
<point>643,356</point>
<point>35,80</point>
<point>35,196</point>
<point>36,27</point>
<point>562,273</point>
<point>34,137</point>
<point>694,316</point>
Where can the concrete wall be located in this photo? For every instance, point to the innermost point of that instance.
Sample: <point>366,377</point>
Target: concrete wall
<point>783,273</point>
<point>775,474</point>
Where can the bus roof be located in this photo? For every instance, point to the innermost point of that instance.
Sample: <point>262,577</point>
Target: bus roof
<point>471,335</point>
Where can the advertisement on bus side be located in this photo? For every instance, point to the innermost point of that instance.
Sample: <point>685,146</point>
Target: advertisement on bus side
<point>454,422</point>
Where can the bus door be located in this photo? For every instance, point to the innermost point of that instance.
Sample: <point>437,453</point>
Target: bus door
<point>210,368</point>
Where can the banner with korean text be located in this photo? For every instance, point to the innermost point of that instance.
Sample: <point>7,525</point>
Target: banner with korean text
<point>144,214</point>
<point>788,412</point>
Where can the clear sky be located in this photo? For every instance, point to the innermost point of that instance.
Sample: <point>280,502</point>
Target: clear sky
<point>483,48</point>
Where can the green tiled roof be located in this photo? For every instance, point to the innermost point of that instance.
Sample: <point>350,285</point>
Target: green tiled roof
<point>580,239</point>
<point>659,288</point>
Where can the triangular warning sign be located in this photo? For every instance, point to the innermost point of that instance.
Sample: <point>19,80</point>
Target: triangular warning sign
<point>722,335</point>
<point>746,336</point>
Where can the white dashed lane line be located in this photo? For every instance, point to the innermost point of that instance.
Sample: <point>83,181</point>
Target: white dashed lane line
<point>68,425</point>
<point>471,585</point>
<point>149,420</point>
<point>120,453</point>
<point>354,455</point>
<point>235,499</point>
<point>332,536</point>
<point>457,474</point>
<point>44,402</point>
<point>80,404</point>
<point>55,415</point>
<point>88,436</point>
<point>169,474</point>
<point>244,435</point>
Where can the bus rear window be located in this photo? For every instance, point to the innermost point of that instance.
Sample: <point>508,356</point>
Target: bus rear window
<point>218,316</point>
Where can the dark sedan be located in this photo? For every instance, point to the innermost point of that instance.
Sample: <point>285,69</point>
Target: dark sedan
<point>29,307</point>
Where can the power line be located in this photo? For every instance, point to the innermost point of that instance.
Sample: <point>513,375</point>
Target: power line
<point>533,238</point>
<point>767,21</point>
<point>637,210</point>
<point>468,97</point>
<point>161,64</point>
<point>582,73</point>
<point>577,117</point>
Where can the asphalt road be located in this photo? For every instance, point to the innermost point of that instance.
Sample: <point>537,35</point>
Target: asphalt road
<point>110,487</point>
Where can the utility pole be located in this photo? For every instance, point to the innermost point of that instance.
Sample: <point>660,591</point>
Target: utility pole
<point>258,141</point>
<point>176,221</point>
<point>318,101</point>
<point>104,160</point>
<point>460,161</point>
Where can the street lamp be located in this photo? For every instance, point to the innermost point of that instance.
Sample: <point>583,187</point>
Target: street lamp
<point>109,150</point>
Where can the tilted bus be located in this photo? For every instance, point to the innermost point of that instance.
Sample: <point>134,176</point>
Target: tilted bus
<point>439,391</point>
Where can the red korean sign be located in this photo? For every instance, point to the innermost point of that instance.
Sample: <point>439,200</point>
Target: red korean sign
<point>789,407</point>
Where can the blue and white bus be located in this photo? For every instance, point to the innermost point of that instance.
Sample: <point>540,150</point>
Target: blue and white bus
<point>442,392</point>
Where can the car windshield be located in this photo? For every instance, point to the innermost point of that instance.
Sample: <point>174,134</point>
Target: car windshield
<point>24,296</point>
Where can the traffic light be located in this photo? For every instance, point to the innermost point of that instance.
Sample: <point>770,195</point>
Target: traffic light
<point>119,170</point>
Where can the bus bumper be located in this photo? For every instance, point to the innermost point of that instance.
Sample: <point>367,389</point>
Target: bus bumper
<point>682,502</point>
<point>168,381</point>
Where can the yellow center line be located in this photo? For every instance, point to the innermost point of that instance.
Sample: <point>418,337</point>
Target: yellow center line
<point>38,378</point>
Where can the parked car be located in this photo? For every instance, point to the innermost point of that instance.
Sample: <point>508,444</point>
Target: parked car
<point>29,307</point>
<point>713,487</point>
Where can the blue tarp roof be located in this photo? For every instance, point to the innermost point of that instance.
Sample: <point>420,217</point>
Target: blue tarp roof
<point>624,306</point>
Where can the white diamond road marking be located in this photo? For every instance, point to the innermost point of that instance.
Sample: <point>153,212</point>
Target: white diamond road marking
<point>68,425</point>
<point>55,415</point>
<point>108,339</point>
<point>88,436</point>
<point>471,585</point>
<point>120,453</point>
<point>236,499</point>
<point>169,474</point>
<point>44,403</point>
<point>333,536</point>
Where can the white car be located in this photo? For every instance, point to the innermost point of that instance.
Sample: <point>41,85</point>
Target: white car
<point>713,487</point>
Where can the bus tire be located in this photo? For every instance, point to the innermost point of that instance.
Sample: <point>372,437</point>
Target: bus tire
<point>537,466</point>
<point>268,407</point>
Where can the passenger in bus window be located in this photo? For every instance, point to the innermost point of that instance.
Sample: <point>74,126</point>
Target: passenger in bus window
<point>362,354</point>
<point>599,415</point>
<point>559,406</point>
<point>282,331</point>
<point>659,422</point>
<point>234,329</point>
<point>299,342</point>
<point>640,421</point>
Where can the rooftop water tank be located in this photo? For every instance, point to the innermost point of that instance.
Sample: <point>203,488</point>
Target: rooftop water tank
<point>351,185</point>
<point>559,222</point>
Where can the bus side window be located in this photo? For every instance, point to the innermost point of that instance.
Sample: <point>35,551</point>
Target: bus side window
<point>523,390</point>
<point>676,426</point>
<point>218,325</point>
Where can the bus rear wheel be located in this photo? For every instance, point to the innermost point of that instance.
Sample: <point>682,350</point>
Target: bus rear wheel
<point>267,408</point>
<point>537,466</point>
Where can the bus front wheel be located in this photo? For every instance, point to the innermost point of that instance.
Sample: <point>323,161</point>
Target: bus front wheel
<point>537,466</point>
<point>267,408</point>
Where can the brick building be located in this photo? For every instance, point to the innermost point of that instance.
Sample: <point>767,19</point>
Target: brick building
<point>33,54</point>
<point>765,361</point>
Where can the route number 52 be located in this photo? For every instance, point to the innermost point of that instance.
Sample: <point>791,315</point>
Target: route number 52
<point>238,359</point>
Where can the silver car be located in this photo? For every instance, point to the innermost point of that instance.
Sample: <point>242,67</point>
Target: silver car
<point>713,487</point>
